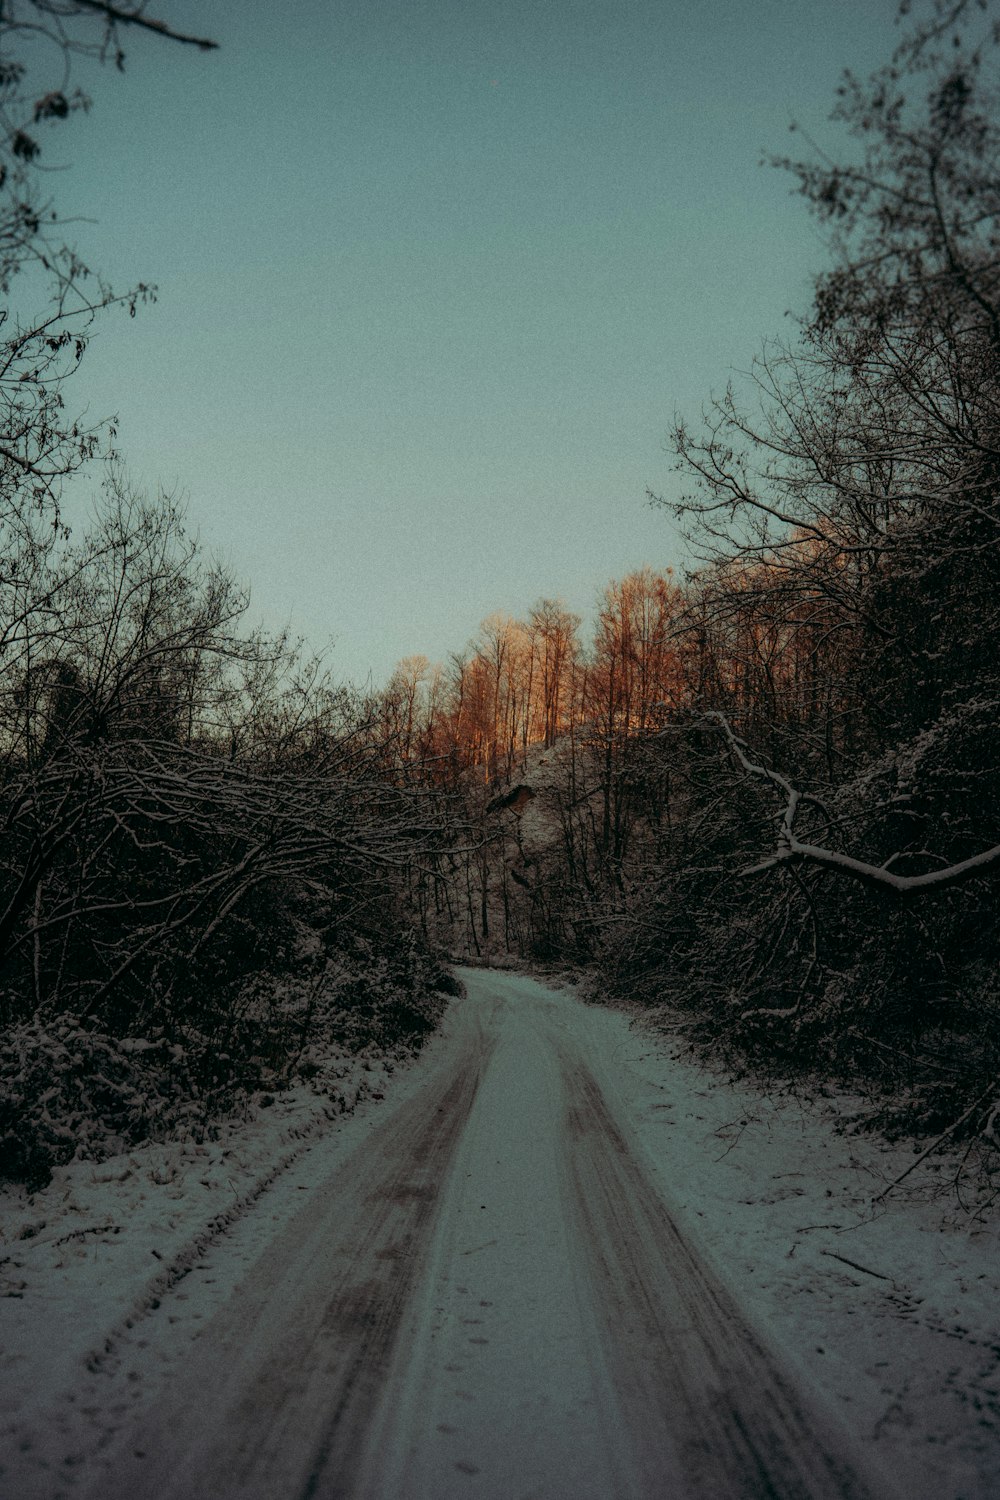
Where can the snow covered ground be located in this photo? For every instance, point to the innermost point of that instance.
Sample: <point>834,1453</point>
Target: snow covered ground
<point>890,1307</point>
<point>89,1256</point>
<point>883,1313</point>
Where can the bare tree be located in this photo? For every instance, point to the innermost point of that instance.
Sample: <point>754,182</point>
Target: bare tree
<point>48,314</point>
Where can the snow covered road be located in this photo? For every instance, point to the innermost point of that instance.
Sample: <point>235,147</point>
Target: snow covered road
<point>566,1343</point>
<point>487,1297</point>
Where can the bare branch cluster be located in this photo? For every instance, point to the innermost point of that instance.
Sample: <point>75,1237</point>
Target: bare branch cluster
<point>195,820</point>
<point>51,298</point>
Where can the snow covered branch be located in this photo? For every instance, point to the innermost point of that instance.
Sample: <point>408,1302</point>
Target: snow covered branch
<point>792,849</point>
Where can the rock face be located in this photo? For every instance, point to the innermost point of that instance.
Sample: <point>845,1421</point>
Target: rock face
<point>516,798</point>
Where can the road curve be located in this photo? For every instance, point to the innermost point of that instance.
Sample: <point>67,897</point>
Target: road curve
<point>489,1299</point>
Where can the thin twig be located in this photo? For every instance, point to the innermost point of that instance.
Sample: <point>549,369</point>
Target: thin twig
<point>935,1144</point>
<point>115,16</point>
<point>855,1264</point>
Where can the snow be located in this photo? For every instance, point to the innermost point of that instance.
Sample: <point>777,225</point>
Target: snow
<point>884,1309</point>
<point>908,1348</point>
<point>83,1258</point>
<point>503,1322</point>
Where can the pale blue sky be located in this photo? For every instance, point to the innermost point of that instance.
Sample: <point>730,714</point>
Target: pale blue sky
<point>434,277</point>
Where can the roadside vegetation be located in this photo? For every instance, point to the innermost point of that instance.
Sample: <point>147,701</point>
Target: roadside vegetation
<point>204,844</point>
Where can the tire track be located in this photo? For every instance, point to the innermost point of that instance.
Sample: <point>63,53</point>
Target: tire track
<point>281,1383</point>
<point>709,1411</point>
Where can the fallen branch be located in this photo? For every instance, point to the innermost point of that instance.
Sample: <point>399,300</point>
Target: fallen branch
<point>855,1265</point>
<point>79,1234</point>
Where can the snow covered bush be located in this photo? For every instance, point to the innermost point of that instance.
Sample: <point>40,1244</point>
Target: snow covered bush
<point>197,827</point>
<point>67,1090</point>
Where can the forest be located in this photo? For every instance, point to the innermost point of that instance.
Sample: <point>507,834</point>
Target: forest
<point>764,791</point>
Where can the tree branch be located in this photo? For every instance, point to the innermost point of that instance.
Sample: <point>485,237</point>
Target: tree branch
<point>792,850</point>
<point>118,17</point>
